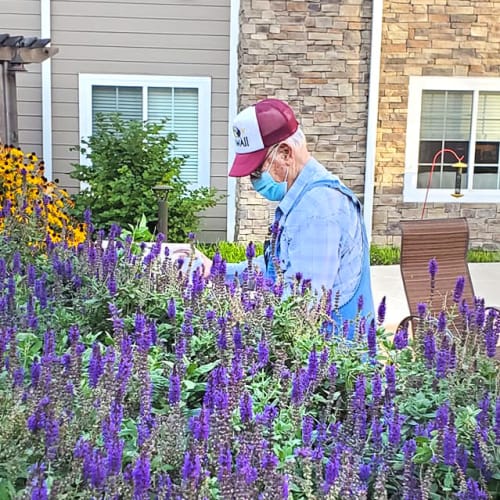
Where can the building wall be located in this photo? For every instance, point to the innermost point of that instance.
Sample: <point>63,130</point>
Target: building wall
<point>429,37</point>
<point>313,54</point>
<point>155,37</point>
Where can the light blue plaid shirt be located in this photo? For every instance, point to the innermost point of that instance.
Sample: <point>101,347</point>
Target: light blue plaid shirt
<point>321,235</point>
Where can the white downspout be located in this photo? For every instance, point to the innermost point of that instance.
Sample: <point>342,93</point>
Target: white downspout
<point>46,69</point>
<point>234,36</point>
<point>373,97</point>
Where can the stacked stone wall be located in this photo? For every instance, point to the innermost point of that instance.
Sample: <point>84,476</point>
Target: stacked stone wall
<point>313,54</point>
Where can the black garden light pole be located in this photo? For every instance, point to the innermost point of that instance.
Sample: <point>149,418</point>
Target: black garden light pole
<point>161,193</point>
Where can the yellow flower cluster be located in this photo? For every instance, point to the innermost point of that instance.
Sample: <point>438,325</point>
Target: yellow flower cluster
<point>28,196</point>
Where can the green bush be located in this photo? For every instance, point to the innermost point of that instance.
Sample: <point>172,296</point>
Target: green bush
<point>126,158</point>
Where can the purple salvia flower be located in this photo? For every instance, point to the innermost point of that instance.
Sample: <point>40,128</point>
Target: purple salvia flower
<point>246,408</point>
<point>491,334</point>
<point>449,445</point>
<point>35,371</point>
<point>390,378</point>
<point>401,339</point>
<point>394,425</point>
<point>442,359</point>
<point>299,386</point>
<point>18,377</point>
<point>225,463</point>
<point>268,415</point>
<point>38,484</point>
<point>474,492</point>
<point>285,488</point>
<point>372,340</point>
<point>459,289</point>
<point>174,389</point>
<point>421,309</point>
<point>381,311</point>
<point>496,427</point>
<point>442,321</point>
<point>365,471</point>
<point>180,348</point>
<point>112,286</point>
<point>245,469</point>
<point>429,349</point>
<point>376,434</point>
<point>191,469</point>
<point>442,417</point>
<point>332,469</point>
<point>269,313</point>
<point>263,353</point>
<point>250,251</point>
<point>433,268</point>
<point>307,430</point>
<point>312,367</point>
<point>141,476</point>
<point>237,338</point>
<point>479,311</point>
<point>462,458</point>
<point>376,386</point>
<point>96,365</point>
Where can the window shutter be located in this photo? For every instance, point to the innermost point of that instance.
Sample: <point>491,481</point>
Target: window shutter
<point>446,115</point>
<point>488,117</point>
<point>180,107</point>
<point>110,99</point>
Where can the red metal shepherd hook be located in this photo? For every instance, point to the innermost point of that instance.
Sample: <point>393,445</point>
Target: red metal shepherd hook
<point>459,165</point>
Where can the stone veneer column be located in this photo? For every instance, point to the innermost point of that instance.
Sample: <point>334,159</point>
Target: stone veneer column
<point>314,55</point>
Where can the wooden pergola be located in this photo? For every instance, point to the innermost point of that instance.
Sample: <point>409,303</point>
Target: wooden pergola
<point>15,53</point>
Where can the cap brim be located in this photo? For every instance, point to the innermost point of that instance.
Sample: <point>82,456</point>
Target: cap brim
<point>245,164</point>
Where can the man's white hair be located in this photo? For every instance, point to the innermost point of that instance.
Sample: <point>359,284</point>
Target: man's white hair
<point>297,139</point>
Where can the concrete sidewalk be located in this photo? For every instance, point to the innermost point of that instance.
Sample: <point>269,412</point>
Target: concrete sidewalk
<point>386,281</point>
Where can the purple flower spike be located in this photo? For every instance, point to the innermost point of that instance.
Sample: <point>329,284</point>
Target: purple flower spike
<point>433,268</point>
<point>372,340</point>
<point>246,408</point>
<point>141,476</point>
<point>250,252</point>
<point>459,289</point>
<point>450,446</point>
<point>401,339</point>
<point>381,311</point>
<point>174,390</point>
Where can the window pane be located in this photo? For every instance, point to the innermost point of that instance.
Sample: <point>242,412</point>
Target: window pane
<point>113,99</point>
<point>488,117</point>
<point>445,115</point>
<point>180,107</point>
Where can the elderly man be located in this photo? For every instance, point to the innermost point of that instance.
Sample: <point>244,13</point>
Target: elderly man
<point>320,232</point>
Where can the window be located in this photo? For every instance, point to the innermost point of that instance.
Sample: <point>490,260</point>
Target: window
<point>450,118</point>
<point>185,102</point>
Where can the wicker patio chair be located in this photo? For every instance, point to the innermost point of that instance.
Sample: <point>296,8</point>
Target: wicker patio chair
<point>447,241</point>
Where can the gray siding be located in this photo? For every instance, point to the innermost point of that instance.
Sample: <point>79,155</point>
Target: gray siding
<point>22,17</point>
<point>154,37</point>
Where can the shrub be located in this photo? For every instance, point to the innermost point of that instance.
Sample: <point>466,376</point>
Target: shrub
<point>126,158</point>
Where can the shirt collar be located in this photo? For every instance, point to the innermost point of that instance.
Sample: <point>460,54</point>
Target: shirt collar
<point>311,171</point>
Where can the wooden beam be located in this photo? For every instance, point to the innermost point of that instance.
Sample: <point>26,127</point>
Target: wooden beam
<point>27,55</point>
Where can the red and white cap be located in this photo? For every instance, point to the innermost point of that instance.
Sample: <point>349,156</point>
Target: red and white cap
<point>256,129</point>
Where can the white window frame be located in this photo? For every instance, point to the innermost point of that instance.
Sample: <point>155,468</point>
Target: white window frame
<point>417,85</point>
<point>87,80</point>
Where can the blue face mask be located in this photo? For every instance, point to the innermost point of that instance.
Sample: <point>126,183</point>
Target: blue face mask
<point>269,188</point>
